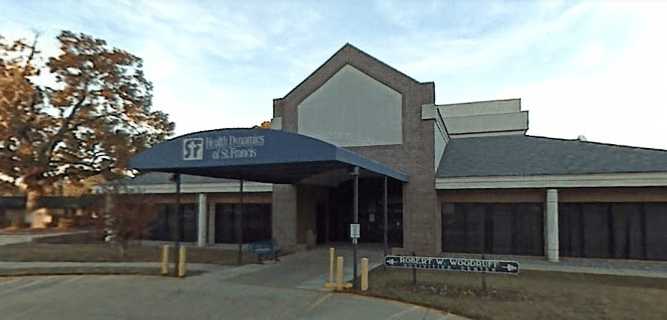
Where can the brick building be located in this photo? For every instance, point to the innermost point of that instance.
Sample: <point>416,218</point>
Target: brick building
<point>474,181</point>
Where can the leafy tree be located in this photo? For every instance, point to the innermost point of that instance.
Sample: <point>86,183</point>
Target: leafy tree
<point>126,215</point>
<point>90,115</point>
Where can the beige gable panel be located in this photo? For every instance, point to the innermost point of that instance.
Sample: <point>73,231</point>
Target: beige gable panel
<point>515,121</point>
<point>277,123</point>
<point>480,107</point>
<point>352,109</point>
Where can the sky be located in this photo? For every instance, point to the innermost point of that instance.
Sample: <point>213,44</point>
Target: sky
<point>592,68</point>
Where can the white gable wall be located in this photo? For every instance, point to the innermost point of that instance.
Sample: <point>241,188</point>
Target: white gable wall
<point>480,107</point>
<point>481,118</point>
<point>516,122</point>
<point>352,109</point>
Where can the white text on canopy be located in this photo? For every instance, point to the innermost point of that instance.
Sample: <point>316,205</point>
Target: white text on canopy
<point>226,147</point>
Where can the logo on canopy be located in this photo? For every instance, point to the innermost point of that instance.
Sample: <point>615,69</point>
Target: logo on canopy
<point>193,149</point>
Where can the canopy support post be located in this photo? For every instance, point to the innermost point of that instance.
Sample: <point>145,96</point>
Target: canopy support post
<point>355,174</point>
<point>178,225</point>
<point>386,217</point>
<point>240,223</point>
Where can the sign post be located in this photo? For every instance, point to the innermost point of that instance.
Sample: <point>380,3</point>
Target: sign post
<point>355,174</point>
<point>385,217</point>
<point>453,264</point>
<point>240,224</point>
<point>179,222</point>
<point>414,272</point>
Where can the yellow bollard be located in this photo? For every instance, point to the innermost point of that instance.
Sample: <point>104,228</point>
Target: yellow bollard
<point>332,256</point>
<point>364,274</point>
<point>339,273</point>
<point>332,269</point>
<point>181,262</point>
<point>164,264</point>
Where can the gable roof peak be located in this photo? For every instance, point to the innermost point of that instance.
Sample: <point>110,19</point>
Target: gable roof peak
<point>350,56</point>
<point>349,45</point>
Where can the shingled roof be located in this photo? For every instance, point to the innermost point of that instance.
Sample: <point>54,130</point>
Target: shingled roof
<point>521,155</point>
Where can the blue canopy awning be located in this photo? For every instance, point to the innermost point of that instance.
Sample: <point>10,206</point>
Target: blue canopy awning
<point>256,154</point>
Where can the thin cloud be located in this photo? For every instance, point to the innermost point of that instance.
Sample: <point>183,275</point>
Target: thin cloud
<point>219,64</point>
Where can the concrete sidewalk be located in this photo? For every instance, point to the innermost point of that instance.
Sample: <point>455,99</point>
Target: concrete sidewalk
<point>7,265</point>
<point>310,269</point>
<point>6,239</point>
<point>307,269</point>
<point>651,269</point>
<point>304,270</point>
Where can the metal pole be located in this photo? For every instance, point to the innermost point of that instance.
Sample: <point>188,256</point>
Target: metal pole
<point>355,173</point>
<point>240,225</point>
<point>483,241</point>
<point>177,233</point>
<point>414,272</point>
<point>386,219</point>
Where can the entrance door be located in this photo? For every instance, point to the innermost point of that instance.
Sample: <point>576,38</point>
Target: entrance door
<point>371,211</point>
<point>322,223</point>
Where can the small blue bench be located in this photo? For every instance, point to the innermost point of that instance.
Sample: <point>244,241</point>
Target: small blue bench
<point>265,249</point>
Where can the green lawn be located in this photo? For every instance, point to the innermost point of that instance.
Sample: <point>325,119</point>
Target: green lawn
<point>530,295</point>
<point>102,252</point>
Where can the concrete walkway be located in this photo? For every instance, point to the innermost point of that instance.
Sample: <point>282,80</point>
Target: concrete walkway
<point>46,265</point>
<point>306,270</point>
<point>651,269</point>
<point>289,289</point>
<point>309,269</point>
<point>211,295</point>
<point>6,239</point>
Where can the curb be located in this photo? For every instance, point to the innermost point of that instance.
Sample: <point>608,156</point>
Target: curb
<point>62,271</point>
<point>86,270</point>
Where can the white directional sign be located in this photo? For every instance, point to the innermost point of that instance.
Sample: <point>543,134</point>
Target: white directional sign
<point>453,264</point>
<point>354,231</point>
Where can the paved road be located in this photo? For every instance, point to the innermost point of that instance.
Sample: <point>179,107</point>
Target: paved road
<point>290,289</point>
<point>208,296</point>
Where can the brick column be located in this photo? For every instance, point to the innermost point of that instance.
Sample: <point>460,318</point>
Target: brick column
<point>551,226</point>
<point>284,216</point>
